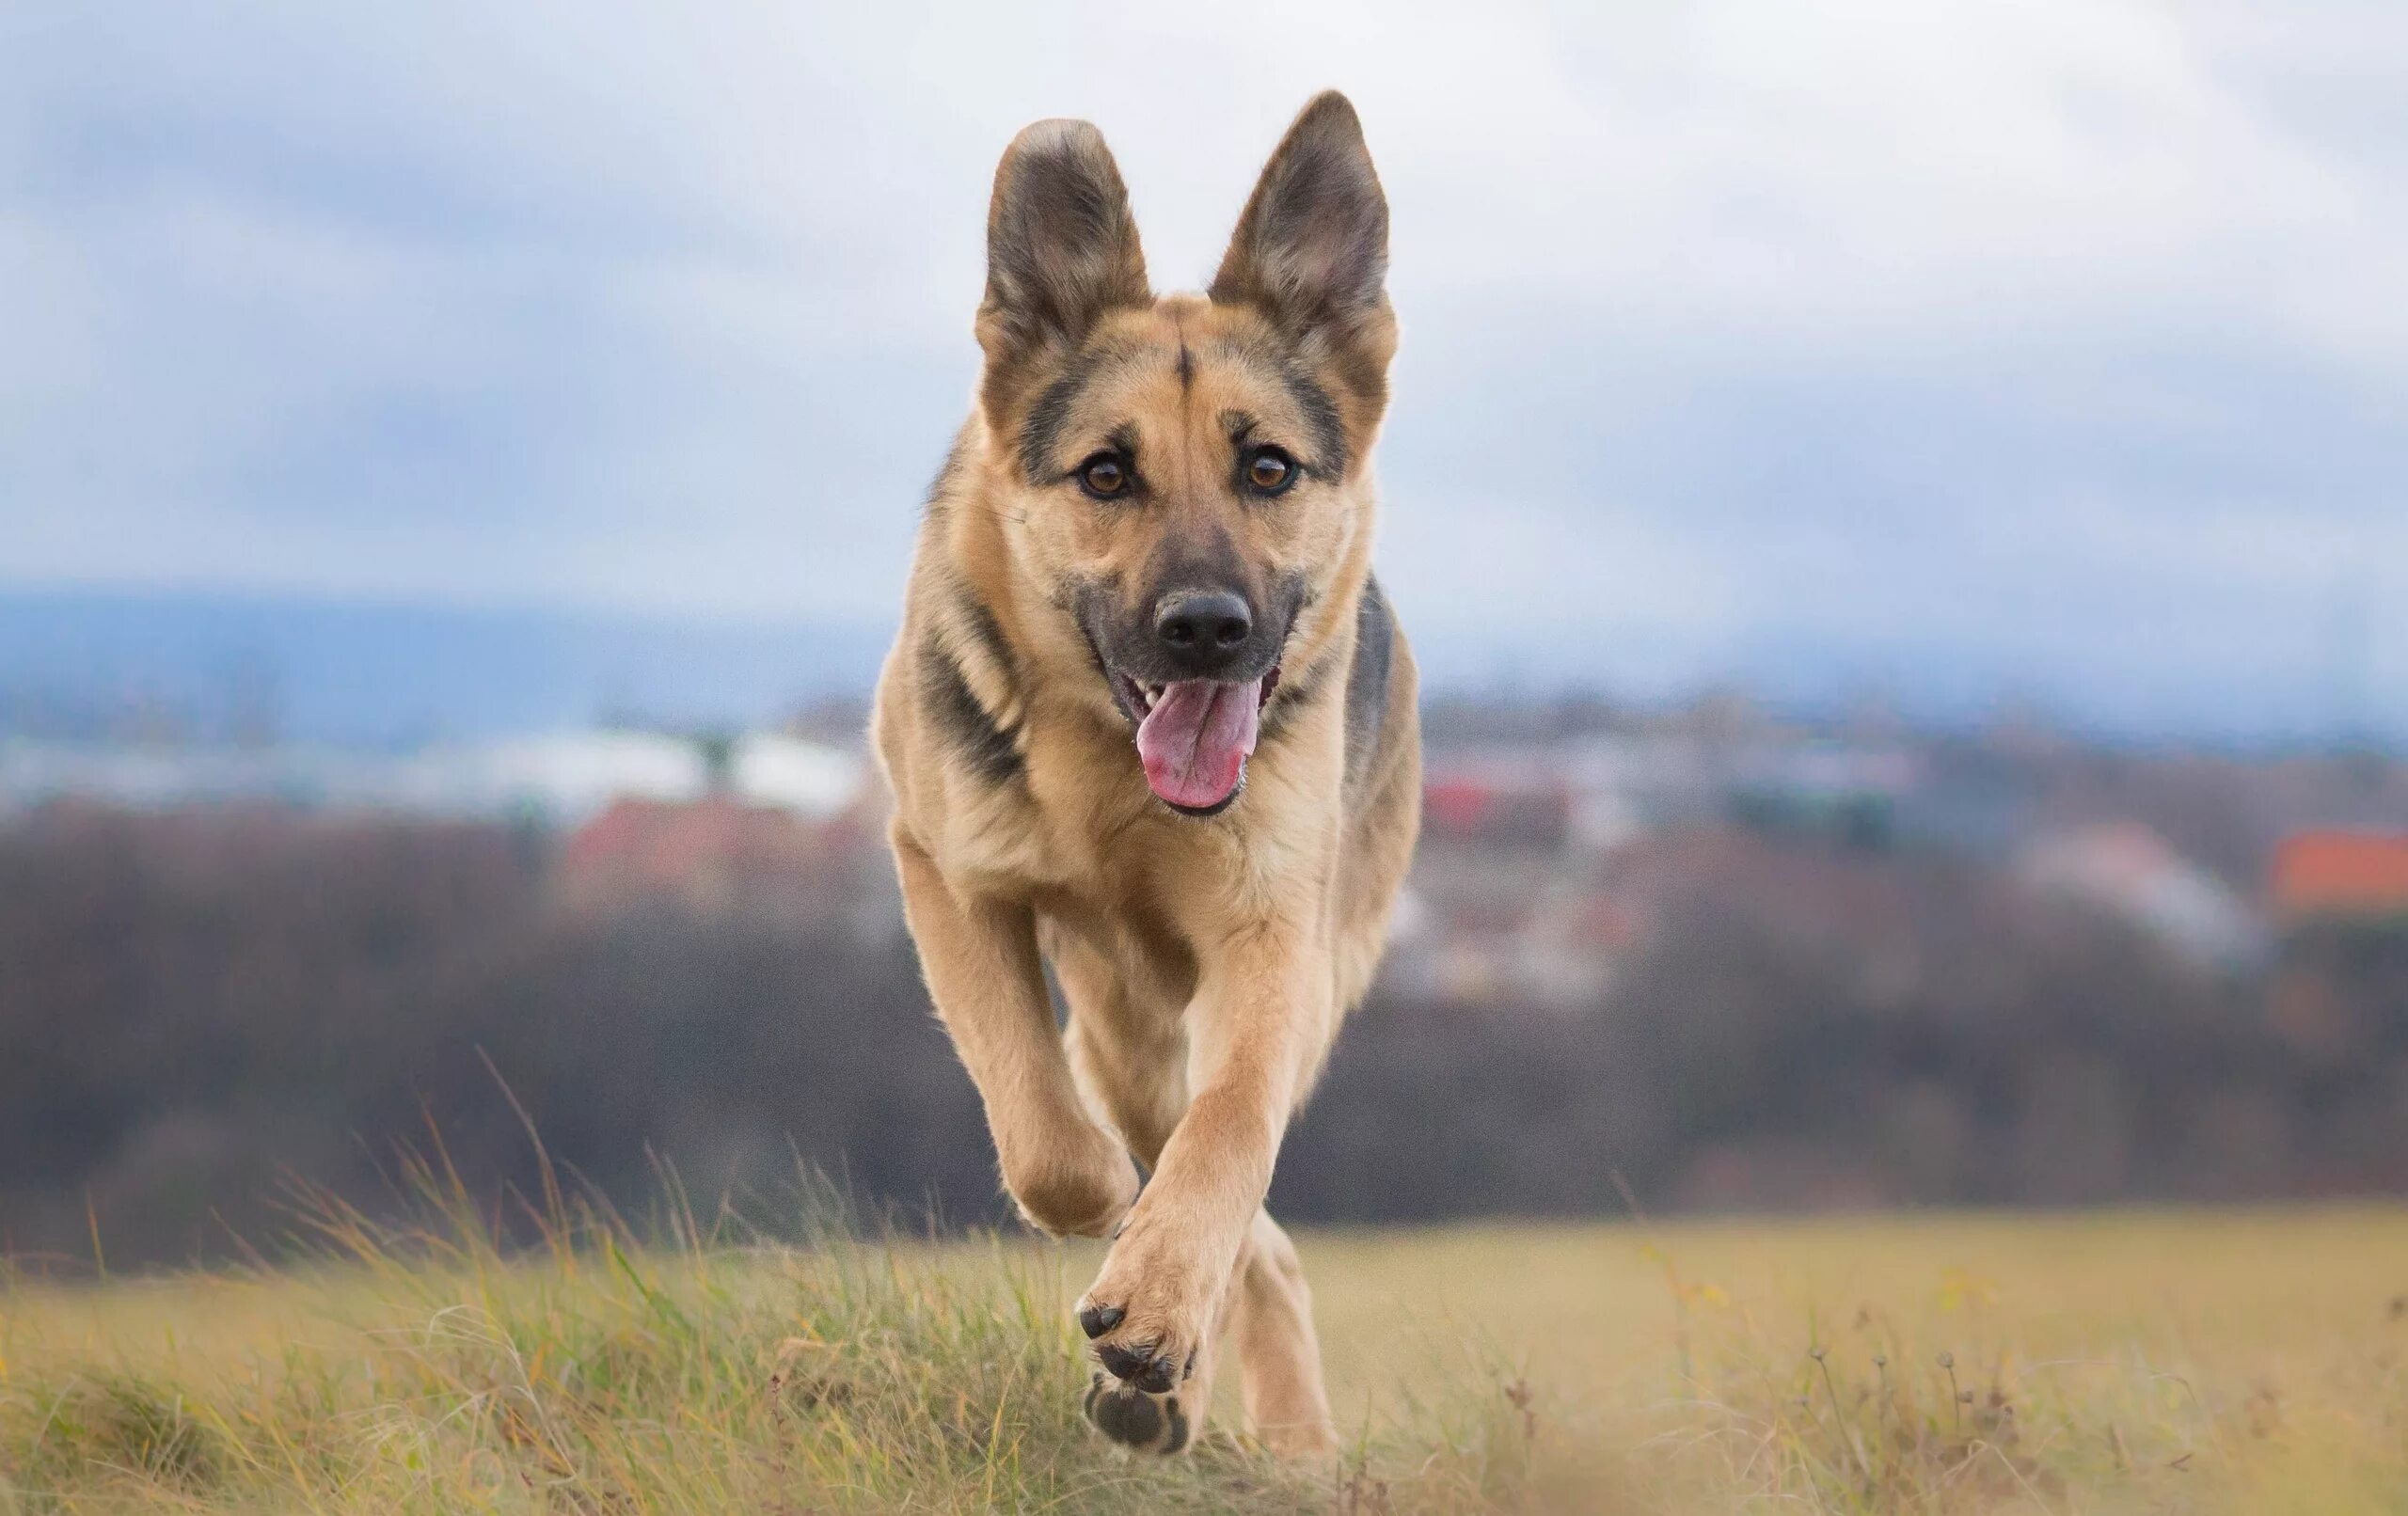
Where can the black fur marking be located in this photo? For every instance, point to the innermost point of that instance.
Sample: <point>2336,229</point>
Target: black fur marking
<point>1186,367</point>
<point>1298,688</point>
<point>1041,430</point>
<point>1295,695</point>
<point>1322,419</point>
<point>1049,415</point>
<point>1091,604</point>
<point>1122,439</point>
<point>988,635</point>
<point>1367,681</point>
<point>1295,594</point>
<point>983,744</point>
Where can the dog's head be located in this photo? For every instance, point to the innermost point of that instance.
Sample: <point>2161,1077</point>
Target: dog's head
<point>1185,478</point>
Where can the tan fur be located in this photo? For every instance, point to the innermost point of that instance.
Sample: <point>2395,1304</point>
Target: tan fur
<point>1206,963</point>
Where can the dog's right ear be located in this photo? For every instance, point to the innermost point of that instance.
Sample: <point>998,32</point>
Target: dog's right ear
<point>1312,248</point>
<point>1061,249</point>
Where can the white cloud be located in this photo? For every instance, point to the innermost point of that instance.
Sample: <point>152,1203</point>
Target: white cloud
<point>670,305</point>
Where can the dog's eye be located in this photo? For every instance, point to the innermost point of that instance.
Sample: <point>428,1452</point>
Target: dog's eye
<point>1103,476</point>
<point>1270,470</point>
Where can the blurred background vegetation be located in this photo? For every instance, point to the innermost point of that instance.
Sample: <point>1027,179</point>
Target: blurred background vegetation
<point>1697,955</point>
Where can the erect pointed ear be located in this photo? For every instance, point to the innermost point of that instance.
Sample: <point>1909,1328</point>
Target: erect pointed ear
<point>1061,246</point>
<point>1312,248</point>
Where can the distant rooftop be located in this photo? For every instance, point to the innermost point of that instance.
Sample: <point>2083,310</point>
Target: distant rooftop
<point>2355,874</point>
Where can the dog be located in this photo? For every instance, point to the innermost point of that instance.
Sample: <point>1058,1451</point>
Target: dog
<point>1149,722</point>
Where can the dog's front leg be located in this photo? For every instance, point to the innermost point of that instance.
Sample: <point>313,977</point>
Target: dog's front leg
<point>1259,1020</point>
<point>1069,1176</point>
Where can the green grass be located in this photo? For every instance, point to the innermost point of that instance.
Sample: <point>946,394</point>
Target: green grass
<point>2241,1362</point>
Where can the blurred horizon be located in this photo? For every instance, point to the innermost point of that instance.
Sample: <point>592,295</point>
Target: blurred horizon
<point>2046,353</point>
<point>91,663</point>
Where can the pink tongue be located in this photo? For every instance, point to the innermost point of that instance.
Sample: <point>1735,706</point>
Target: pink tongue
<point>1195,739</point>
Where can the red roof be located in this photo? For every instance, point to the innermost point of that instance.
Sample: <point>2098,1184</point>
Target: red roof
<point>2341,874</point>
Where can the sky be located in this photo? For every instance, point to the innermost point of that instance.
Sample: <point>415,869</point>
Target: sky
<point>2058,345</point>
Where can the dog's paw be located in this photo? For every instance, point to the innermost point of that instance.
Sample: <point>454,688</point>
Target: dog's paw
<point>1147,1311</point>
<point>1138,1420</point>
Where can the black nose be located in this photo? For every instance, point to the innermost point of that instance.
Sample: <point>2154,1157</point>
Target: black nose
<point>1201,625</point>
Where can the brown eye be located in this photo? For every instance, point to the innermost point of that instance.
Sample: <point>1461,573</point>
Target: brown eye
<point>1103,476</point>
<point>1271,472</point>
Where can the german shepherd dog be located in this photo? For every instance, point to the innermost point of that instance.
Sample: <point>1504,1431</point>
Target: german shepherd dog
<point>1149,722</point>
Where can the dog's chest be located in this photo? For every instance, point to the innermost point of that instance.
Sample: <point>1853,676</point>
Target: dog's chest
<point>1080,849</point>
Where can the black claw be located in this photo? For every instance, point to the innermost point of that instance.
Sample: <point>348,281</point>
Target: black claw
<point>1097,1320</point>
<point>1140,1368</point>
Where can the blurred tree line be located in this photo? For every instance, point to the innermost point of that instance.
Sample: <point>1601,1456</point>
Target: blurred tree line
<point>198,1009</point>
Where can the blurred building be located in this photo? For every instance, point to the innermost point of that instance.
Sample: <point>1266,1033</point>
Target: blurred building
<point>2341,900</point>
<point>713,854</point>
<point>1501,907</point>
<point>553,779</point>
<point>2131,870</point>
<point>2327,875</point>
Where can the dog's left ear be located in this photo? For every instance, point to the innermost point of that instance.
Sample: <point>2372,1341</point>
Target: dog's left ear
<point>1061,249</point>
<point>1312,248</point>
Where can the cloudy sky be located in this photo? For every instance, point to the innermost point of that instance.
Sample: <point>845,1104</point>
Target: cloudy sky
<point>2058,344</point>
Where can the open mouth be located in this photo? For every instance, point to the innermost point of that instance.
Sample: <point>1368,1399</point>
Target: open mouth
<point>1194,736</point>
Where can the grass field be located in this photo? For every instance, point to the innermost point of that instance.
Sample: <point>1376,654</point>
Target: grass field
<point>2170,1362</point>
